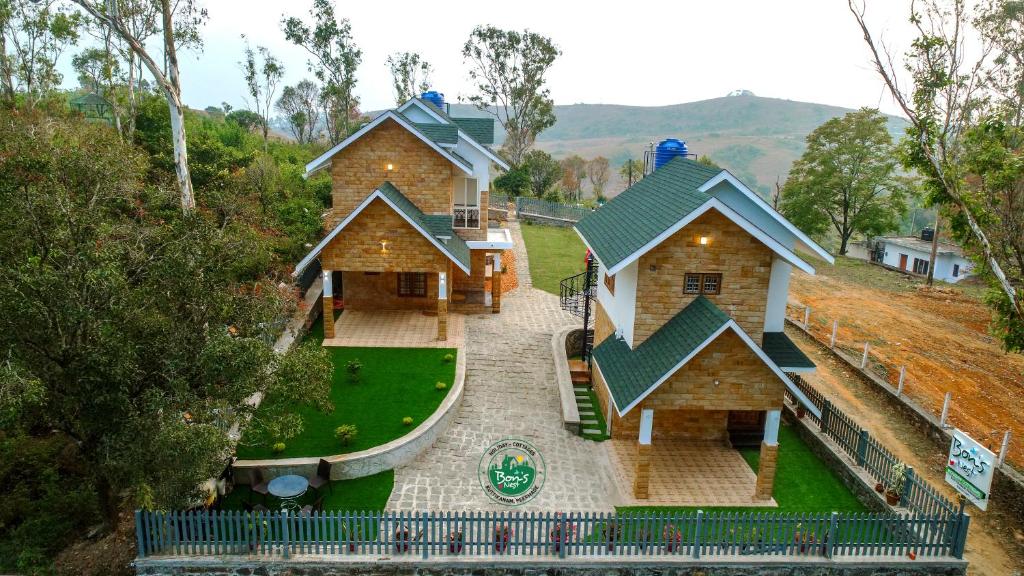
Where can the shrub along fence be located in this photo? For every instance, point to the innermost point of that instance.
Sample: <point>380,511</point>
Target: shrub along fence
<point>914,493</point>
<point>689,535</point>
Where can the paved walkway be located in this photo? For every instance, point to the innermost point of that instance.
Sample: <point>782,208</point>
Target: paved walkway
<point>396,329</point>
<point>687,473</point>
<point>510,392</point>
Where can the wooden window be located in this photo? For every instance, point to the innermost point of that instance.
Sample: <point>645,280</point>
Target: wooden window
<point>920,266</point>
<point>705,283</point>
<point>412,284</point>
<point>609,283</point>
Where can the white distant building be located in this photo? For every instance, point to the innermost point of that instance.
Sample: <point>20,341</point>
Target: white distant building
<point>911,254</point>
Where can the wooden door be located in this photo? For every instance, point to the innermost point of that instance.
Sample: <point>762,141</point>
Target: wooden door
<point>903,261</point>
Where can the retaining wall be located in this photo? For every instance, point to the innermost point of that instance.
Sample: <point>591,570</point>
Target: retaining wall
<point>1007,484</point>
<point>594,566</point>
<point>374,460</point>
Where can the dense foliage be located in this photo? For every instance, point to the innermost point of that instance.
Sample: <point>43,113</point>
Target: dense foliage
<point>132,334</point>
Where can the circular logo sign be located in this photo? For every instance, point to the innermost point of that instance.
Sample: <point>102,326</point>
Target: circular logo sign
<point>511,472</point>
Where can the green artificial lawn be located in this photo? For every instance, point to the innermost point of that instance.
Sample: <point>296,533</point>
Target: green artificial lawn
<point>597,416</point>
<point>367,493</point>
<point>393,383</point>
<point>803,483</point>
<point>555,253</point>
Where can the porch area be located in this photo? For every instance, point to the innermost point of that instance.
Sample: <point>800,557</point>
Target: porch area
<point>685,473</point>
<point>395,329</point>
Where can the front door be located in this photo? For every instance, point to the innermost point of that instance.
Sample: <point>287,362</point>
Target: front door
<point>903,261</point>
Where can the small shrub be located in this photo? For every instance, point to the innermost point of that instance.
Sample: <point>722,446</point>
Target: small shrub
<point>407,420</point>
<point>353,367</point>
<point>449,358</point>
<point>346,433</point>
<point>441,386</point>
<point>278,447</point>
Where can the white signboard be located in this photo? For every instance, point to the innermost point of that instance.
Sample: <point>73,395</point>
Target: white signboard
<point>970,468</point>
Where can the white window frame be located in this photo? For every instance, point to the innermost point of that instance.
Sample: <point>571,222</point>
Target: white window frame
<point>467,209</point>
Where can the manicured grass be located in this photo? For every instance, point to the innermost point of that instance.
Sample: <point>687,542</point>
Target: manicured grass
<point>393,383</point>
<point>368,493</point>
<point>597,416</point>
<point>803,483</point>
<point>555,253</point>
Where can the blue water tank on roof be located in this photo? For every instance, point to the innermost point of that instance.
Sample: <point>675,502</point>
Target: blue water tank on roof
<point>668,149</point>
<point>434,97</point>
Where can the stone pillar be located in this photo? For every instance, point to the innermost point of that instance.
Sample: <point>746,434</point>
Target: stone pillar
<point>328,305</point>
<point>442,306</point>
<point>769,456</point>
<point>642,479</point>
<point>496,284</point>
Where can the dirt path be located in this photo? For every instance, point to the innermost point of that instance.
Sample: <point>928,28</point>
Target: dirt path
<point>994,546</point>
<point>940,335</point>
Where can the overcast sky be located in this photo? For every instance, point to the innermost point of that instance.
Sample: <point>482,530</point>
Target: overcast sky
<point>643,53</point>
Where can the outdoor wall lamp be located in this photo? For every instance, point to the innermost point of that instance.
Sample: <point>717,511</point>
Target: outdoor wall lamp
<point>703,240</point>
<point>383,247</point>
<point>389,166</point>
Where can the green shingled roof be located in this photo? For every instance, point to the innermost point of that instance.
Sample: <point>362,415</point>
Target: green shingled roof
<point>438,226</point>
<point>479,129</point>
<point>629,373</point>
<point>440,133</point>
<point>784,352</point>
<point>645,210</point>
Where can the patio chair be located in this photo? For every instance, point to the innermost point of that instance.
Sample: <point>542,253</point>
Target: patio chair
<point>322,476</point>
<point>317,506</point>
<point>258,484</point>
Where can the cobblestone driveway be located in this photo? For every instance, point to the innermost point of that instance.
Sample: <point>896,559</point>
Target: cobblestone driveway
<point>510,392</point>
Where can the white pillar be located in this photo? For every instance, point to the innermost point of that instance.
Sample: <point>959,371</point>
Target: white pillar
<point>328,284</point>
<point>608,420</point>
<point>864,359</point>
<point>1005,447</point>
<point>442,286</point>
<point>646,425</point>
<point>771,427</point>
<point>903,377</point>
<point>945,409</point>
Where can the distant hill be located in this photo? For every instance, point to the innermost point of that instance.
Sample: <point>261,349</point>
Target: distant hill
<point>756,138</point>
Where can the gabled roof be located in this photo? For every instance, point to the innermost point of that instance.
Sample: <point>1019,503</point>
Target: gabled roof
<point>444,134</point>
<point>435,228</point>
<point>323,159</point>
<point>480,129</point>
<point>785,353</point>
<point>655,208</point>
<point>469,128</point>
<point>633,374</point>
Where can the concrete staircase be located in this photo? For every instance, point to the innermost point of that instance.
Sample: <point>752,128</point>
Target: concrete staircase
<point>581,386</point>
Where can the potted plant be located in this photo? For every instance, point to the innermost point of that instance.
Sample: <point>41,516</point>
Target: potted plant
<point>896,485</point>
<point>561,533</point>
<point>502,534</point>
<point>403,538</point>
<point>610,533</point>
<point>800,410</point>
<point>455,542</point>
<point>879,487</point>
<point>355,536</point>
<point>806,541</point>
<point>256,531</point>
<point>673,536</point>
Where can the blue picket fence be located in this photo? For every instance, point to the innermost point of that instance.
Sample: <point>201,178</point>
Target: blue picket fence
<point>692,535</point>
<point>918,495</point>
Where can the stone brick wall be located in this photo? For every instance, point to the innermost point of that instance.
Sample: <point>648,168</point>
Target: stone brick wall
<point>420,172</point>
<point>603,326</point>
<point>690,404</point>
<point>358,247</point>
<point>379,291</point>
<point>463,281</point>
<point>744,262</point>
<point>510,277</point>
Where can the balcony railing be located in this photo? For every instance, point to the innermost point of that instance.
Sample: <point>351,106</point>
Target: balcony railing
<point>466,216</point>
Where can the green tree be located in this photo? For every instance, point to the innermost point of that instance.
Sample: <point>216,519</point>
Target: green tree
<point>141,331</point>
<point>334,58</point>
<point>36,33</point>
<point>952,88</point>
<point>300,105</point>
<point>179,24</point>
<point>247,119</point>
<point>707,161</point>
<point>632,171</point>
<point>598,174</point>
<point>514,182</point>
<point>542,170</point>
<point>846,179</point>
<point>262,80</point>
<point>410,74</point>
<point>508,69</point>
